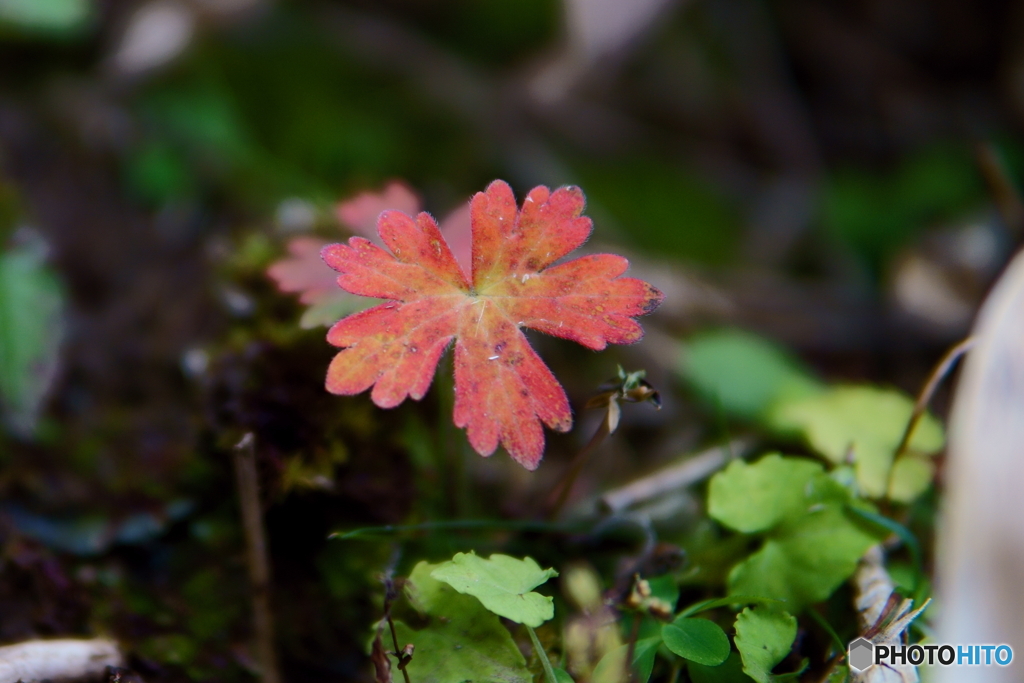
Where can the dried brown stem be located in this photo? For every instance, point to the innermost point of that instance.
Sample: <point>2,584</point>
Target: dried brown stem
<point>938,373</point>
<point>398,648</point>
<point>1001,186</point>
<point>560,493</point>
<point>259,564</point>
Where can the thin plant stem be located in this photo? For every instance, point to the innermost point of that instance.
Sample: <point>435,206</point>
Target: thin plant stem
<point>939,372</point>
<point>549,671</point>
<point>398,650</point>
<point>632,648</point>
<point>259,566</point>
<point>564,486</point>
<point>1001,186</point>
<point>827,627</point>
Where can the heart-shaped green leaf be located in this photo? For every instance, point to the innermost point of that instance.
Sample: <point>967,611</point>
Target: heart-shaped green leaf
<point>698,640</point>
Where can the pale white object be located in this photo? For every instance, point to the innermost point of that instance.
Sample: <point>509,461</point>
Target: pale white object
<point>595,29</point>
<point>156,33</point>
<point>39,660</point>
<point>680,474</point>
<point>600,27</point>
<point>981,535</point>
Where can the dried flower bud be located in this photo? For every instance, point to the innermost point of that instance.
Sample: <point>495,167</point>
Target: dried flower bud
<point>659,609</point>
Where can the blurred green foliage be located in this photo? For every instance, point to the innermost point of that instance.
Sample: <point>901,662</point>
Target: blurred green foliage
<point>876,212</point>
<point>742,374</point>
<point>31,333</point>
<point>46,18</point>
<point>811,544</point>
<point>491,33</point>
<point>663,208</point>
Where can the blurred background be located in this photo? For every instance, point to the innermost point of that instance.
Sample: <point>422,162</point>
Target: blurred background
<point>838,176</point>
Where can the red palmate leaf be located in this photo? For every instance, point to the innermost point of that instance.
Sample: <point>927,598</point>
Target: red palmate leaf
<point>360,212</point>
<point>303,271</point>
<point>503,390</point>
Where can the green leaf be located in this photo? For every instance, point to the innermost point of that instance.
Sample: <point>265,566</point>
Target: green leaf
<point>502,583</point>
<point>911,476</point>
<point>31,331</point>
<point>562,676</point>
<point>763,637</point>
<point>743,373</point>
<point>759,496</point>
<point>804,561</point>
<point>45,15</point>
<point>462,640</point>
<point>867,419</point>
<point>698,640</point>
<point>729,672</point>
<point>613,665</point>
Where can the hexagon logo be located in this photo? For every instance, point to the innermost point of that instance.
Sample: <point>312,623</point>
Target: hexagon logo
<point>861,654</point>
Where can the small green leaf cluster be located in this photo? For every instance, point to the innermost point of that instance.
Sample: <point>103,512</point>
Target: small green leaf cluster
<point>31,333</point>
<point>861,426</point>
<point>790,530</point>
<point>463,639</point>
<point>811,541</point>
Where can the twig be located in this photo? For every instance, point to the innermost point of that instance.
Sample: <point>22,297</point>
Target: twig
<point>938,373</point>
<point>400,653</point>
<point>403,655</point>
<point>627,387</point>
<point>689,470</point>
<point>259,565</point>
